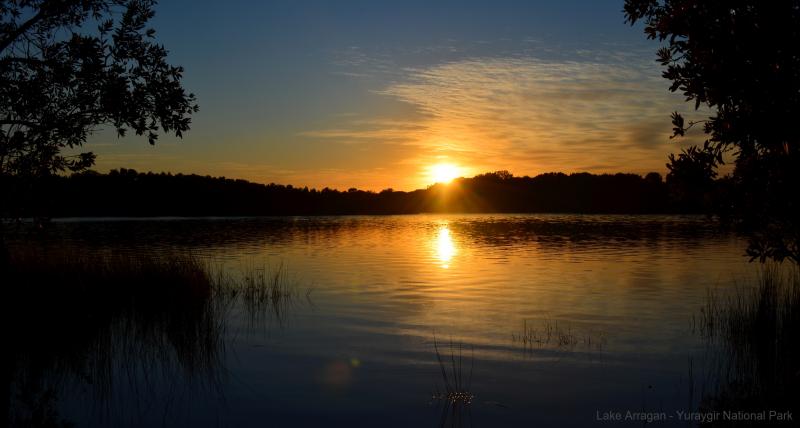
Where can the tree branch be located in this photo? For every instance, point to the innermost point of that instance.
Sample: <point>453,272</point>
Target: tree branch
<point>27,123</point>
<point>9,39</point>
<point>22,60</point>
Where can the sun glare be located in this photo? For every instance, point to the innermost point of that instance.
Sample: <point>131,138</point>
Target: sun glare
<point>443,172</point>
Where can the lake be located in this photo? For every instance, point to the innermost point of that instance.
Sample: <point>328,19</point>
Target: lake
<point>553,320</point>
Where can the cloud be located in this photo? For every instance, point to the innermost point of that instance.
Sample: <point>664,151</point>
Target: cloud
<point>602,112</point>
<point>368,131</point>
<point>353,61</point>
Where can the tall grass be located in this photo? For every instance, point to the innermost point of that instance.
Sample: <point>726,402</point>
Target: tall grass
<point>756,332</point>
<point>263,292</point>
<point>455,395</point>
<point>551,334</point>
<point>94,316</point>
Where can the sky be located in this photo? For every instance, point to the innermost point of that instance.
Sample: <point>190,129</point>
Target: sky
<point>376,94</point>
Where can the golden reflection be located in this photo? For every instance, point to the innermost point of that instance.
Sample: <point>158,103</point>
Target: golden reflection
<point>445,248</point>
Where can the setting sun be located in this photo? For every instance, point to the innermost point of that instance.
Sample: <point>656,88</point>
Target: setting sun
<point>443,172</point>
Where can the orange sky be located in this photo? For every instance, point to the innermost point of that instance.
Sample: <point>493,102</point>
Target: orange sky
<point>563,89</point>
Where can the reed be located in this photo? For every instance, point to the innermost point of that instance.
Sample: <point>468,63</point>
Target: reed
<point>755,334</point>
<point>550,334</point>
<point>94,315</point>
<point>263,292</point>
<point>455,396</point>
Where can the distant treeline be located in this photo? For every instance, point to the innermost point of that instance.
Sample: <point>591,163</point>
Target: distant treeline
<point>126,192</point>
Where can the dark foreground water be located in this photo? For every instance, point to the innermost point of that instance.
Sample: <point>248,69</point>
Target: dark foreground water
<point>549,320</point>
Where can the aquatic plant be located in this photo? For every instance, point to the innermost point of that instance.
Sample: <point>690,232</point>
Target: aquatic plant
<point>263,292</point>
<point>551,334</point>
<point>102,318</point>
<point>456,397</point>
<point>456,390</point>
<point>754,335</point>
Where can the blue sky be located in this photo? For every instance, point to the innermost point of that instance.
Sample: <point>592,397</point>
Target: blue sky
<point>372,94</point>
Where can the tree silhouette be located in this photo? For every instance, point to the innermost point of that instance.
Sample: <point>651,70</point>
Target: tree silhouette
<point>130,193</point>
<point>69,66</point>
<point>741,59</point>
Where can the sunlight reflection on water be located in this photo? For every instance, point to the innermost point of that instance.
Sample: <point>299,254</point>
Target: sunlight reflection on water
<point>445,248</point>
<point>383,286</point>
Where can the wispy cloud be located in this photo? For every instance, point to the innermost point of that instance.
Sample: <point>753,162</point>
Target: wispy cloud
<point>530,110</point>
<point>370,131</point>
<point>601,112</point>
<point>353,61</point>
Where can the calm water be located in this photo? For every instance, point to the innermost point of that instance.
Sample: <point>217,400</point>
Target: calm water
<point>617,295</point>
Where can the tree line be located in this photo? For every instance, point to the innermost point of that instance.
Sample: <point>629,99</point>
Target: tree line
<point>126,192</point>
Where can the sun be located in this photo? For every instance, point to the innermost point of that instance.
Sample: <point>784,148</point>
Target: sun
<point>443,172</point>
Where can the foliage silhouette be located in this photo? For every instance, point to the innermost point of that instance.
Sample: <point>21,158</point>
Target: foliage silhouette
<point>68,67</point>
<point>741,59</point>
<point>126,192</point>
